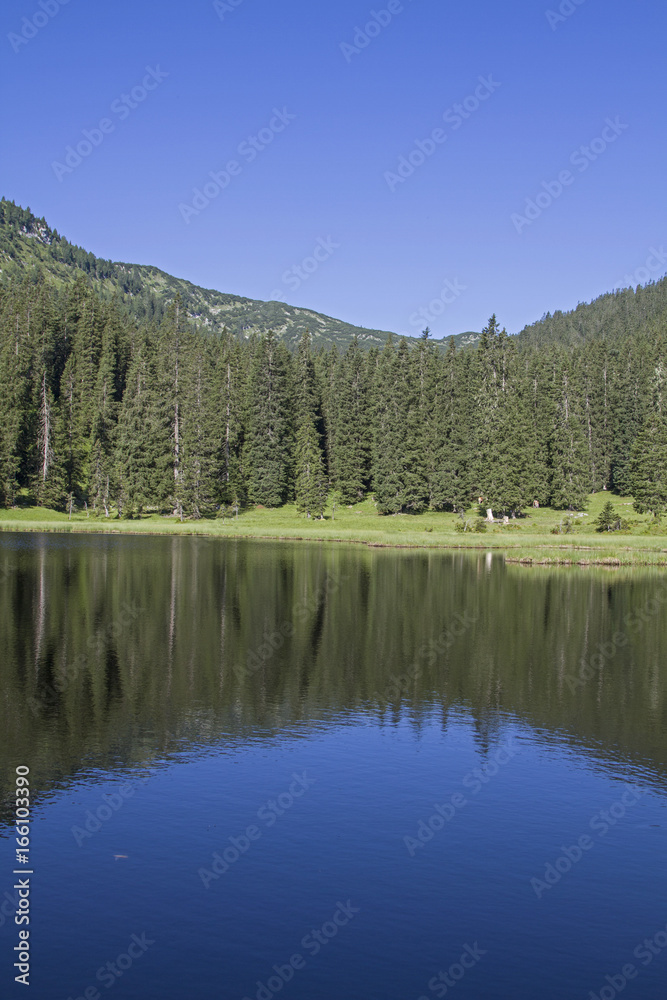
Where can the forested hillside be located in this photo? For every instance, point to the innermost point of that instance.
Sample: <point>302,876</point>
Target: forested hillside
<point>611,317</point>
<point>100,410</point>
<point>28,246</point>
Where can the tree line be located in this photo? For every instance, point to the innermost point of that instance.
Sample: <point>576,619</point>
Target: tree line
<point>101,410</point>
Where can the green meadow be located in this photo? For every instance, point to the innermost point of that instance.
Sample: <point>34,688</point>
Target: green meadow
<point>528,539</point>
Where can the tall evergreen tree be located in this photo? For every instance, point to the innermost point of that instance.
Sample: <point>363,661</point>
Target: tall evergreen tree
<point>269,447</point>
<point>399,477</point>
<point>311,487</point>
<point>513,478</point>
<point>351,430</point>
<point>229,385</point>
<point>144,443</point>
<point>102,472</point>
<point>570,470</point>
<point>197,488</point>
<point>648,468</point>
<point>14,399</point>
<point>450,486</point>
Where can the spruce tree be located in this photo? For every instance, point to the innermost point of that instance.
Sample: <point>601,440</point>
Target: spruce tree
<point>268,455</point>
<point>631,404</point>
<point>102,481</point>
<point>230,382</point>
<point>513,477</point>
<point>311,486</point>
<point>197,488</point>
<point>399,476</point>
<point>453,421</point>
<point>351,430</point>
<point>648,466</point>
<point>144,443</point>
<point>486,383</point>
<point>14,399</point>
<point>569,461</point>
<point>49,486</point>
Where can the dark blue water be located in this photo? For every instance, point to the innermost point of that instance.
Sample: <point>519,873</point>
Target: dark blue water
<point>262,780</point>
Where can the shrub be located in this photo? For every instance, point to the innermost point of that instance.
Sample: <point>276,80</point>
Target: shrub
<point>566,527</point>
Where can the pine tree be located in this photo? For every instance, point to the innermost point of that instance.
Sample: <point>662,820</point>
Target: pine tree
<point>311,485</point>
<point>399,478</point>
<point>631,404</point>
<point>451,429</point>
<point>428,370</point>
<point>197,488</point>
<point>648,467</point>
<point>607,518</point>
<point>327,375</point>
<point>570,473</point>
<point>540,396</point>
<point>268,455</point>
<point>14,399</point>
<point>513,479</point>
<point>71,445</point>
<point>351,430</point>
<point>144,443</point>
<point>487,383</point>
<point>230,387</point>
<point>102,482</point>
<point>49,487</point>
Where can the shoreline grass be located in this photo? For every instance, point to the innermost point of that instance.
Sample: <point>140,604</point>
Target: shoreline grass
<point>528,540</point>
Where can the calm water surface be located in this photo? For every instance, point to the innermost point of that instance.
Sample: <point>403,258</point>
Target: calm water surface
<point>325,772</point>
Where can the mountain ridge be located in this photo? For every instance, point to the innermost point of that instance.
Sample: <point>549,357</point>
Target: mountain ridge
<point>27,241</point>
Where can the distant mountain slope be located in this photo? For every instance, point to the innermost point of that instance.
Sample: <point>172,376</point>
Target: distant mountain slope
<point>613,316</point>
<point>27,242</point>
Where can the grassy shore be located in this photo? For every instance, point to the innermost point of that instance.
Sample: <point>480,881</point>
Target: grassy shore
<point>528,539</point>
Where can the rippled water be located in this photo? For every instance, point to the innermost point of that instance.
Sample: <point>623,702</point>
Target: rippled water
<point>322,771</point>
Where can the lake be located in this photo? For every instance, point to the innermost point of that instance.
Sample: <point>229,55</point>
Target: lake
<point>322,771</point>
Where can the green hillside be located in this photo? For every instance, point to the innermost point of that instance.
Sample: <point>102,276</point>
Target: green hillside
<point>611,317</point>
<point>28,243</point>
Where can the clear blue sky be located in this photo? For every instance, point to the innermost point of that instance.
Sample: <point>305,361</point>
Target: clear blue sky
<point>327,175</point>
